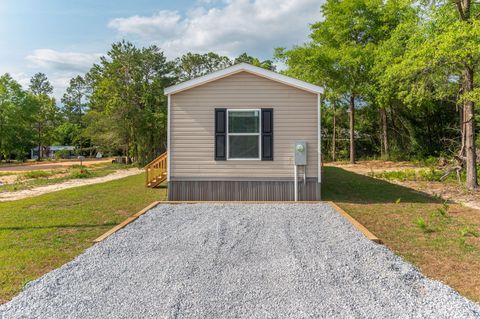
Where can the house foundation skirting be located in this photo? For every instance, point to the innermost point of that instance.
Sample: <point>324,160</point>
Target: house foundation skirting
<point>242,190</point>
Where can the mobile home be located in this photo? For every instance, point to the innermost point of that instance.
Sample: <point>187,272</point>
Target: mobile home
<point>243,133</point>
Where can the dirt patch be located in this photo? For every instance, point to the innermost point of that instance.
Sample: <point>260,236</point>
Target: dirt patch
<point>8,179</point>
<point>9,196</point>
<point>49,165</point>
<point>365,167</point>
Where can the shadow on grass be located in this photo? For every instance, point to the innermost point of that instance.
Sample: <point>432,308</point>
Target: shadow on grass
<point>344,186</point>
<point>58,226</point>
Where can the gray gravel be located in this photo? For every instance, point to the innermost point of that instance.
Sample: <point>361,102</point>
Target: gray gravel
<point>238,261</point>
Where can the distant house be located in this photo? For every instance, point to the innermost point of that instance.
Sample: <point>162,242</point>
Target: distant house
<point>242,133</point>
<point>51,151</point>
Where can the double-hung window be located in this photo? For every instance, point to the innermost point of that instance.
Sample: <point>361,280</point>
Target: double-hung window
<point>243,134</point>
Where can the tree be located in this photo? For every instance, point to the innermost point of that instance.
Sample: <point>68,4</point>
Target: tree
<point>244,57</point>
<point>341,50</point>
<point>399,18</point>
<point>15,114</point>
<point>75,101</point>
<point>442,57</point>
<point>128,109</point>
<point>39,85</point>
<point>46,113</point>
<point>75,105</point>
<point>193,65</point>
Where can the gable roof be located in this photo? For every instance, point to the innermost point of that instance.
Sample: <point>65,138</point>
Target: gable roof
<point>243,67</point>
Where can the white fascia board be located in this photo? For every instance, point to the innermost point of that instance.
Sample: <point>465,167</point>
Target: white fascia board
<point>244,67</point>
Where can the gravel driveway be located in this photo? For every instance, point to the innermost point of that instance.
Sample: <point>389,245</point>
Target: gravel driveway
<point>238,260</point>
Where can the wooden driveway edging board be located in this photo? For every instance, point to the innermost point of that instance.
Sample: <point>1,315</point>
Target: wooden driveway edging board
<point>352,220</point>
<point>356,224</point>
<point>126,222</point>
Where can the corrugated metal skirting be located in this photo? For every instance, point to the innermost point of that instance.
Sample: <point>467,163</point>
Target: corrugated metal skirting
<point>240,191</point>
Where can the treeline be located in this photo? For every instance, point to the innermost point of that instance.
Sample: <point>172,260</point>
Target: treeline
<point>117,108</point>
<point>400,80</point>
<point>399,77</point>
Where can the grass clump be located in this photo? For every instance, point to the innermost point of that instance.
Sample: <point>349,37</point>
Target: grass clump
<point>443,211</point>
<point>422,224</point>
<point>437,220</point>
<point>80,173</point>
<point>466,233</point>
<point>39,174</point>
<point>469,232</point>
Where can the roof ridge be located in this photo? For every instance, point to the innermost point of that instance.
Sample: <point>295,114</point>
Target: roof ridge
<point>240,67</point>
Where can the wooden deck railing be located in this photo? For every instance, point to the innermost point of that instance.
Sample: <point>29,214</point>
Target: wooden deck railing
<point>156,171</point>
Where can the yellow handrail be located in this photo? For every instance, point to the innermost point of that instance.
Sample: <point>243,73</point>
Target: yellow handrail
<point>156,169</point>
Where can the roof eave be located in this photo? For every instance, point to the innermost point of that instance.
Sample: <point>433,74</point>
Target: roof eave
<point>243,67</point>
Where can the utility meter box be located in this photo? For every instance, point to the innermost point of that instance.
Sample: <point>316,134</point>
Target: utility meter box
<point>301,153</point>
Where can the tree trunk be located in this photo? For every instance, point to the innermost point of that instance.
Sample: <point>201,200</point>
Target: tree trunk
<point>471,156</point>
<point>334,146</point>
<point>462,131</point>
<point>352,128</point>
<point>39,144</point>
<point>383,114</point>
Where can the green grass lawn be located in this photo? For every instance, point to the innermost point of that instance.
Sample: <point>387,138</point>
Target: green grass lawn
<point>42,233</point>
<point>441,239</point>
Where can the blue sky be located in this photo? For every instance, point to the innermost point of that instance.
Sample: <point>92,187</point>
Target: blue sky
<point>63,38</point>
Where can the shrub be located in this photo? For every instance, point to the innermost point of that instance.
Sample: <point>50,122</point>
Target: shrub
<point>430,174</point>
<point>80,173</point>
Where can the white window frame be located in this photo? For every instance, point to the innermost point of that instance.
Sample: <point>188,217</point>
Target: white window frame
<point>245,134</point>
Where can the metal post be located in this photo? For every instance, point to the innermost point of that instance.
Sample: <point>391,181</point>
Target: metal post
<point>296,182</point>
<point>319,147</point>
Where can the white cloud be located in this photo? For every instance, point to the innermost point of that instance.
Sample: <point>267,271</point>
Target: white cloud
<point>59,67</point>
<point>63,61</point>
<point>164,23</point>
<point>240,25</point>
<point>228,27</point>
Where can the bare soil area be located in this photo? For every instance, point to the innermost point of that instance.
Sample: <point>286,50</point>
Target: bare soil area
<point>49,165</point>
<point>365,167</point>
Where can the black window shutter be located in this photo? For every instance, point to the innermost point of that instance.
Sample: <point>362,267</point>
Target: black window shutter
<point>267,134</point>
<point>220,134</point>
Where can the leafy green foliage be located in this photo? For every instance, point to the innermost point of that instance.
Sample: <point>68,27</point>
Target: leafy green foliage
<point>422,224</point>
<point>192,65</point>
<point>16,113</point>
<point>81,173</point>
<point>245,58</point>
<point>39,174</point>
<point>127,104</point>
<point>46,114</point>
<point>429,174</point>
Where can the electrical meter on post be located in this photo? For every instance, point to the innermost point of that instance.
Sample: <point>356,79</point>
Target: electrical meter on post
<point>300,159</point>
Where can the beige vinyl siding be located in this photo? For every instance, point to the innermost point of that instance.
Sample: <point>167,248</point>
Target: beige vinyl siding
<point>193,129</point>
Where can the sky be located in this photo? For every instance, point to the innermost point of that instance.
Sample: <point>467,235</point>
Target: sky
<point>63,38</point>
